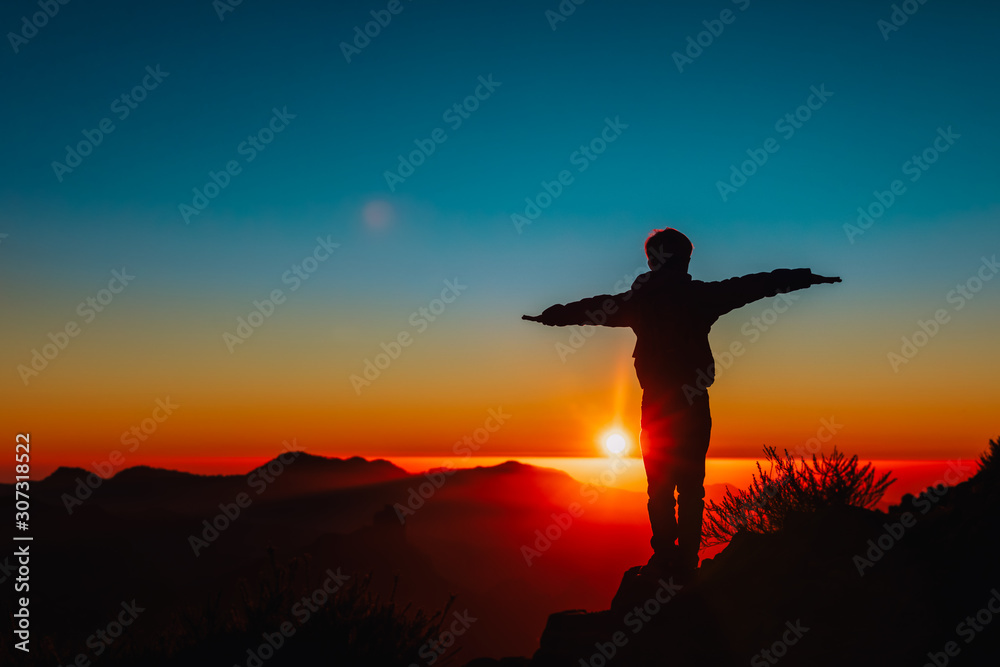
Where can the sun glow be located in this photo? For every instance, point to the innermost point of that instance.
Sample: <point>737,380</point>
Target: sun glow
<point>615,444</point>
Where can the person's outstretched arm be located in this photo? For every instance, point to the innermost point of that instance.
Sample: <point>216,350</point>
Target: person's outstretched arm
<point>610,310</point>
<point>737,292</point>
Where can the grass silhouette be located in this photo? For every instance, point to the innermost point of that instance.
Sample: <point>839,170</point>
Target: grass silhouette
<point>353,626</point>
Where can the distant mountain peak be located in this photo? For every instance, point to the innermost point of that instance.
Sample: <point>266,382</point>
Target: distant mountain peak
<point>142,471</point>
<point>305,459</point>
<point>512,467</point>
<point>65,473</point>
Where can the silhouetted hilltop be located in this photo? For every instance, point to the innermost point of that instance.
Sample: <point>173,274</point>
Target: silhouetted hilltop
<point>173,541</point>
<point>63,477</point>
<point>144,488</point>
<point>845,586</point>
<point>513,543</point>
<point>360,470</point>
<point>316,473</point>
<point>354,471</point>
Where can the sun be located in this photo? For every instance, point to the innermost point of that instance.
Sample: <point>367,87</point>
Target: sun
<point>616,444</point>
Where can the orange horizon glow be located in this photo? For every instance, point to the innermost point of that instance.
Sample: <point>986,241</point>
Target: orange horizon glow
<point>783,392</point>
<point>912,475</point>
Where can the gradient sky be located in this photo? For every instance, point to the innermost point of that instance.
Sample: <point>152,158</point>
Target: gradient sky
<point>324,176</point>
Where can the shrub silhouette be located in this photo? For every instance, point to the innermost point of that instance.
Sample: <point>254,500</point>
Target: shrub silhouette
<point>989,461</point>
<point>791,485</point>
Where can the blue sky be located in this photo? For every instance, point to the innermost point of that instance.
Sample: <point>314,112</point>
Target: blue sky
<point>607,59</point>
<point>452,217</point>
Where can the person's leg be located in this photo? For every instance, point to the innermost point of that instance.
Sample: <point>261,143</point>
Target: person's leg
<point>691,482</point>
<point>661,480</point>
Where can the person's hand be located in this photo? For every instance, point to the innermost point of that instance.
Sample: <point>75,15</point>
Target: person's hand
<point>818,280</point>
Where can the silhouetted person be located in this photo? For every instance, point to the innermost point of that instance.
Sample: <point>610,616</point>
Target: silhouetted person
<point>671,315</point>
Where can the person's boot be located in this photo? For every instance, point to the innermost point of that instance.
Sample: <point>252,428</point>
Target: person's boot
<point>686,562</point>
<point>662,563</point>
<point>690,513</point>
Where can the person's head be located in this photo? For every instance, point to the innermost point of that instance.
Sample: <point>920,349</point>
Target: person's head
<point>668,250</point>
